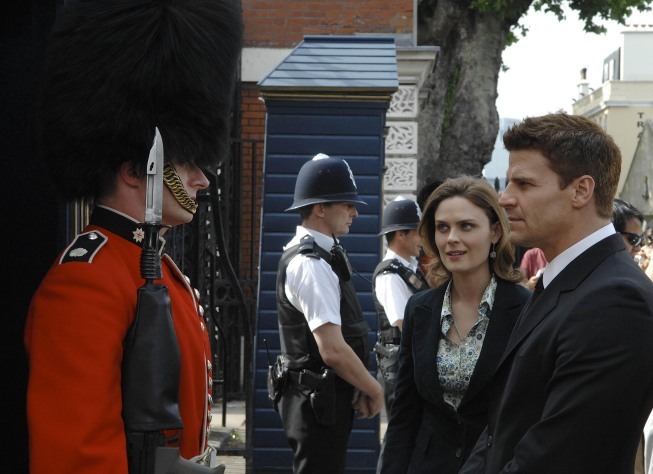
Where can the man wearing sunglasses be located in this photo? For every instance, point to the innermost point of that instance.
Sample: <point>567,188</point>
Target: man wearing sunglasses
<point>628,222</point>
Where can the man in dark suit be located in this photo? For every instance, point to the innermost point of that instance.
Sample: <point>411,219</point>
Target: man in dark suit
<point>575,384</point>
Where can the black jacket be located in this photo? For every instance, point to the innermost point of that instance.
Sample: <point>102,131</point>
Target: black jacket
<point>575,386</point>
<point>425,435</point>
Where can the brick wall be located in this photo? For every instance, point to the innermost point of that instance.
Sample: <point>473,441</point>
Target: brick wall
<point>283,23</point>
<point>252,137</point>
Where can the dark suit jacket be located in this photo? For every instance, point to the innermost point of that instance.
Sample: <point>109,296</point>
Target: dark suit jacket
<point>424,433</point>
<point>575,385</point>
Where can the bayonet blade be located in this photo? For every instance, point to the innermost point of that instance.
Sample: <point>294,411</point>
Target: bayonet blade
<point>154,184</point>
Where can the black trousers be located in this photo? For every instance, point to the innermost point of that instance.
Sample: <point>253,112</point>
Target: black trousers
<point>317,448</point>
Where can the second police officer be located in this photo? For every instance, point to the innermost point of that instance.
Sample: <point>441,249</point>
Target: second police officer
<point>322,330</point>
<point>395,280</point>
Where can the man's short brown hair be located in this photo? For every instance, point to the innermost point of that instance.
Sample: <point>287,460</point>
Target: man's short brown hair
<point>575,146</point>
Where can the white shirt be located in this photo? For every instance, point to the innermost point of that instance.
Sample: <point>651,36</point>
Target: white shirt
<point>311,285</point>
<point>559,263</point>
<point>391,290</point>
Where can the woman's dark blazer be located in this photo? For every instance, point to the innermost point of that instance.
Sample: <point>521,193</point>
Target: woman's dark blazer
<point>425,435</point>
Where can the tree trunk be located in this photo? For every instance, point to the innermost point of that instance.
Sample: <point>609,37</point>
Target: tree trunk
<point>458,123</point>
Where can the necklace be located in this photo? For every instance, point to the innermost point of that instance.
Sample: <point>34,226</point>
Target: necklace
<point>456,328</point>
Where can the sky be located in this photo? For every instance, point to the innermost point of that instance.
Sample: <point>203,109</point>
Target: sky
<point>544,66</point>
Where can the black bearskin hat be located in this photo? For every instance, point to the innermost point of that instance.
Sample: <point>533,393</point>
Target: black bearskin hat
<point>115,69</point>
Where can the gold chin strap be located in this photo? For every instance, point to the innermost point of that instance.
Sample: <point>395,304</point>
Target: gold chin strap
<point>176,187</point>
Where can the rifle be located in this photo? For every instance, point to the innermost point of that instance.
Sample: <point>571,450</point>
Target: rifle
<point>151,359</point>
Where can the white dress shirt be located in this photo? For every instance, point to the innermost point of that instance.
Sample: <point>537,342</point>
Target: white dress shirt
<point>311,285</point>
<point>391,290</point>
<point>559,263</point>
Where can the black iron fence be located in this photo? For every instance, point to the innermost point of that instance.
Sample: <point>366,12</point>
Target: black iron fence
<point>222,265</point>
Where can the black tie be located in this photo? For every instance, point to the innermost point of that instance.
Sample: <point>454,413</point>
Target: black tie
<point>537,291</point>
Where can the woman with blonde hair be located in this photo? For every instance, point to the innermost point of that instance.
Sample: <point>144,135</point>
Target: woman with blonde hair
<point>453,335</point>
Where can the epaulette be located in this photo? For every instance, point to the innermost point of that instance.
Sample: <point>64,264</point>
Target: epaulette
<point>411,278</point>
<point>394,267</point>
<point>307,247</point>
<point>84,247</point>
<point>390,266</point>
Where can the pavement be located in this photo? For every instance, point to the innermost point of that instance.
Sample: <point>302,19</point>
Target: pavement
<point>230,441</point>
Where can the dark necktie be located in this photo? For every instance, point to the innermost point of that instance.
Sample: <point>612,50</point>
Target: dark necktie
<point>537,291</point>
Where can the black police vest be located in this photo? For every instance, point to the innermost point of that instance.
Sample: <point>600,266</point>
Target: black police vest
<point>297,341</point>
<point>414,281</point>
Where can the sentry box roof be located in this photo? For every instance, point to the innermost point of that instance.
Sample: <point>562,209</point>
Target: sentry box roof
<point>336,65</point>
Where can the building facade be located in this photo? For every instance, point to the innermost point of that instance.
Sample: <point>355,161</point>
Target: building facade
<point>274,29</point>
<point>624,101</point>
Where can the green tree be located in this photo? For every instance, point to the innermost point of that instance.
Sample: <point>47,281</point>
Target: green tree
<point>459,123</point>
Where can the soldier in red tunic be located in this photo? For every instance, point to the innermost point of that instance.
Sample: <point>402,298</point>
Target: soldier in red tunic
<point>114,71</point>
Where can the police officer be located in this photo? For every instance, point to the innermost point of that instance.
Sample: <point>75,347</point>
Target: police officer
<point>323,332</point>
<point>113,72</point>
<point>395,280</point>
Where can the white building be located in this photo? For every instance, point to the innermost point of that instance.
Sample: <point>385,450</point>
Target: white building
<point>625,99</point>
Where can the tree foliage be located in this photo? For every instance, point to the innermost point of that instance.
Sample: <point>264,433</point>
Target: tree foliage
<point>459,122</point>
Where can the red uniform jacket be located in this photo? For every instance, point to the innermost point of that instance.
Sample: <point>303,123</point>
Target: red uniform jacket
<point>75,328</point>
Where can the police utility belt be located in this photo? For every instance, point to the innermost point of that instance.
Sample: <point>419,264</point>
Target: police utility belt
<point>322,388</point>
<point>387,359</point>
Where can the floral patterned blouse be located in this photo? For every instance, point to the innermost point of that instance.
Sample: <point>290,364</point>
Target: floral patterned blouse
<point>456,361</point>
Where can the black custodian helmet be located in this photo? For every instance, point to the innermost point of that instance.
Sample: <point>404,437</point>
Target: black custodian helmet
<point>116,69</point>
<point>400,214</point>
<point>324,179</point>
